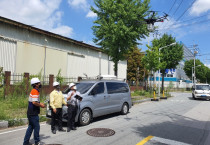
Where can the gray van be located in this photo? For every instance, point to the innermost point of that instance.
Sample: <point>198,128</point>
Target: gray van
<point>100,97</point>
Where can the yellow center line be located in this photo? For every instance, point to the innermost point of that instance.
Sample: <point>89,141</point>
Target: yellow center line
<point>145,140</point>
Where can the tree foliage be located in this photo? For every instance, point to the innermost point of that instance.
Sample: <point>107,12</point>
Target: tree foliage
<point>119,25</point>
<point>151,59</point>
<point>201,71</point>
<point>170,55</point>
<point>135,70</point>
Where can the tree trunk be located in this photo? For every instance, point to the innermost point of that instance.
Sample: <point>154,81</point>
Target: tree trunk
<point>116,68</point>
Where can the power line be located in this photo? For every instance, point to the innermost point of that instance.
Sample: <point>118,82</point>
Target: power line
<point>196,55</point>
<point>186,24</point>
<point>186,10</point>
<point>177,7</point>
<point>195,18</point>
<point>185,21</point>
<point>170,11</point>
<point>172,7</point>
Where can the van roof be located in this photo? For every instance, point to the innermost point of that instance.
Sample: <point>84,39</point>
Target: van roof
<point>201,84</point>
<point>103,80</point>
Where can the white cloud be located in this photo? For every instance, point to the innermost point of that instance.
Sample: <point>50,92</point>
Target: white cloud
<point>42,14</point>
<point>199,7</point>
<point>90,42</point>
<point>208,65</point>
<point>79,4</point>
<point>63,30</point>
<point>91,14</point>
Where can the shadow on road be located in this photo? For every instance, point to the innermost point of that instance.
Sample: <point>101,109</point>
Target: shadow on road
<point>101,118</point>
<point>198,99</point>
<point>180,128</point>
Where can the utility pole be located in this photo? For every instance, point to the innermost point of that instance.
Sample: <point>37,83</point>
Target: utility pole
<point>194,52</point>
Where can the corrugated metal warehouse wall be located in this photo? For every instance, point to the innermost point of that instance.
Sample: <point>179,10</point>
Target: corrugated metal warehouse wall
<point>33,51</point>
<point>7,54</point>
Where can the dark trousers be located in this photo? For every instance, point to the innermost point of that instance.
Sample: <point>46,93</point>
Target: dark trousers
<point>58,116</point>
<point>72,112</point>
<point>33,125</point>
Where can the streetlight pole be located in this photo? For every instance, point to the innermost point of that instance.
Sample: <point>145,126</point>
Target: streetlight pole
<point>99,63</point>
<point>159,68</point>
<point>192,74</point>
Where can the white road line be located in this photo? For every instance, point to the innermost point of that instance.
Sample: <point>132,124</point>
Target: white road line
<point>18,129</point>
<point>168,141</point>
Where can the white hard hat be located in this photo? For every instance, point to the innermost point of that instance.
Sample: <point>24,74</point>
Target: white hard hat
<point>34,81</point>
<point>71,84</point>
<point>55,84</point>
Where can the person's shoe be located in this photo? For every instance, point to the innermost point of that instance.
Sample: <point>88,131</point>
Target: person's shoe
<point>39,143</point>
<point>28,143</point>
<point>54,131</point>
<point>74,128</point>
<point>62,130</point>
<point>68,129</point>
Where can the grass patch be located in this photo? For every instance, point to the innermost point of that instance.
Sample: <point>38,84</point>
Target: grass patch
<point>14,108</point>
<point>142,94</point>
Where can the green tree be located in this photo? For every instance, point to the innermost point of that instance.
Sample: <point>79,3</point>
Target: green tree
<point>135,70</point>
<point>151,59</point>
<point>208,75</point>
<point>119,24</point>
<point>201,71</point>
<point>59,78</point>
<point>170,55</point>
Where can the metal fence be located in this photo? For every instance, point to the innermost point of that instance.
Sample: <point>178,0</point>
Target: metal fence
<point>45,80</point>
<point>16,78</point>
<point>68,80</point>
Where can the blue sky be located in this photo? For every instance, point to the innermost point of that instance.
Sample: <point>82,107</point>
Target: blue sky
<point>188,21</point>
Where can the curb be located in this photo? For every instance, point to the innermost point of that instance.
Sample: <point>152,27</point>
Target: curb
<point>145,100</point>
<point>141,101</point>
<point>5,124</point>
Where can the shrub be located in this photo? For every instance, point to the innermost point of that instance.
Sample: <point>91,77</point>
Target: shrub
<point>15,122</point>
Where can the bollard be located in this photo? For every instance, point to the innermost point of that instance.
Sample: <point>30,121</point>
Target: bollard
<point>164,97</point>
<point>154,97</point>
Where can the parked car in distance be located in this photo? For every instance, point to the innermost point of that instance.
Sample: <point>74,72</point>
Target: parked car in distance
<point>100,97</point>
<point>201,91</point>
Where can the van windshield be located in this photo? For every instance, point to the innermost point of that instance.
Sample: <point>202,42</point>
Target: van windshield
<point>202,87</point>
<point>81,87</point>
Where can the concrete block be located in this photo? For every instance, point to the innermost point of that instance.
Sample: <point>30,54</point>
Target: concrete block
<point>3,124</point>
<point>24,120</point>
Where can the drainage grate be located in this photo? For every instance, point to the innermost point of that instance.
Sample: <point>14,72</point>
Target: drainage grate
<point>100,132</point>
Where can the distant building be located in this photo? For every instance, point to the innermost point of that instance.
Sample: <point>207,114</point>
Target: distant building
<point>24,48</point>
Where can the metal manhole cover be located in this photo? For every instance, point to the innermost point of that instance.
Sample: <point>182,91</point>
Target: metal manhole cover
<point>100,132</point>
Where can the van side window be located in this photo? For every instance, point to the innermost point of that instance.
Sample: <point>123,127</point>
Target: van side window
<point>115,87</point>
<point>99,88</point>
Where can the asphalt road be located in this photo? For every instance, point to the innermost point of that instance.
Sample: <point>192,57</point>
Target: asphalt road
<point>175,121</point>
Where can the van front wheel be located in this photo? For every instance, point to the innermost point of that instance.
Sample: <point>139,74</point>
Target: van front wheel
<point>85,117</point>
<point>124,109</point>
